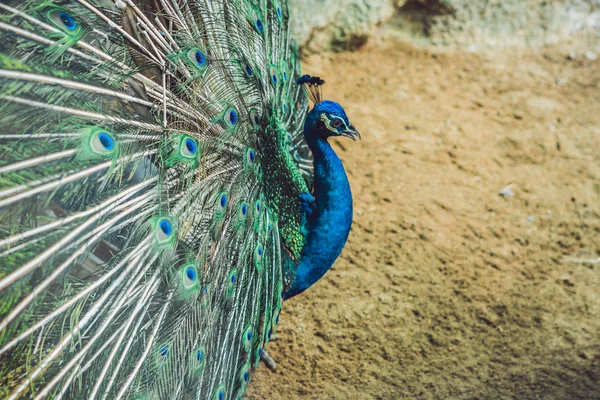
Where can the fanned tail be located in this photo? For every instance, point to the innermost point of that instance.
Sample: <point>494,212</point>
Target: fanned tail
<point>151,161</point>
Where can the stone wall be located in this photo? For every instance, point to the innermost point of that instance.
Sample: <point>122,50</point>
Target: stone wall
<point>337,24</point>
<point>345,24</point>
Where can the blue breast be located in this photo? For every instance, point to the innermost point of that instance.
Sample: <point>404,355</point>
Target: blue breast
<point>329,226</point>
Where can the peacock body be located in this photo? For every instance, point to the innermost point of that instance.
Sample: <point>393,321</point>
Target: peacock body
<point>163,188</point>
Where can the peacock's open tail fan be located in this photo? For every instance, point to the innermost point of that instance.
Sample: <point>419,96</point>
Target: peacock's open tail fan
<point>151,161</point>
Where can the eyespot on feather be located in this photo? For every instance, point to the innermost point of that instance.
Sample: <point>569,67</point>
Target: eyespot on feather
<point>243,213</point>
<point>197,58</point>
<point>247,337</point>
<point>162,354</point>
<point>248,70</point>
<point>222,201</point>
<point>102,143</point>
<point>64,20</point>
<point>254,119</point>
<point>164,231</point>
<point>219,393</point>
<point>188,148</point>
<point>189,277</point>
<point>250,159</point>
<point>231,281</point>
<point>258,257</point>
<point>198,360</point>
<point>258,23</point>
<point>229,118</point>
<point>273,75</point>
<point>244,375</point>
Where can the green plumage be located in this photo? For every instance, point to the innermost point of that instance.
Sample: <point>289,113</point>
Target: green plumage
<point>149,192</point>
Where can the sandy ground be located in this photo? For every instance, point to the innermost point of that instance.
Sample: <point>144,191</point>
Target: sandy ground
<point>447,290</point>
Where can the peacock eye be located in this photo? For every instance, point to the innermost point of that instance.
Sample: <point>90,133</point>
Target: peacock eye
<point>189,148</point>
<point>189,276</point>
<point>273,73</point>
<point>251,156</point>
<point>106,141</point>
<point>219,393</point>
<point>198,59</point>
<point>336,123</point>
<point>223,201</point>
<point>163,352</point>
<point>247,338</point>
<point>102,143</point>
<point>164,230</point>
<point>248,70</point>
<point>231,284</point>
<point>63,20</point>
<point>67,21</point>
<point>254,119</point>
<point>230,118</point>
<point>258,24</point>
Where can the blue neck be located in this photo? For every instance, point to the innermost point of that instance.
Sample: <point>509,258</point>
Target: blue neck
<point>329,226</point>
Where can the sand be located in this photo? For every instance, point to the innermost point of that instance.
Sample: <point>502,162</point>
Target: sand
<point>446,289</point>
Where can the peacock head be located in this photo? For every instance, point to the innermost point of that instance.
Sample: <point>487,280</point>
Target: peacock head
<point>327,118</point>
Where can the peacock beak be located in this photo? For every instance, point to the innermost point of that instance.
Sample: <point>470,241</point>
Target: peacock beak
<point>351,133</point>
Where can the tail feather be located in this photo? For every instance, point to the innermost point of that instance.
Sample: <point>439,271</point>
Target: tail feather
<point>140,240</point>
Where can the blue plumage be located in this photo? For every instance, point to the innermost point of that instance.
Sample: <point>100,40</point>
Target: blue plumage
<point>328,221</point>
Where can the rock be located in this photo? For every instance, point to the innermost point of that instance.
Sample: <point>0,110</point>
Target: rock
<point>384,299</point>
<point>337,25</point>
<point>347,24</point>
<point>507,191</point>
<point>465,23</point>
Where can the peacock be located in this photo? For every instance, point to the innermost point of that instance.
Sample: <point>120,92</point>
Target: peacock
<point>164,187</point>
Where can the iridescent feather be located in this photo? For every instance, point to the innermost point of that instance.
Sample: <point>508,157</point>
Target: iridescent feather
<point>141,243</point>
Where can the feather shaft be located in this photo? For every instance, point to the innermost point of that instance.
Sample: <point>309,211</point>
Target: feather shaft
<point>82,113</point>
<point>37,161</point>
<point>50,80</point>
<point>150,342</point>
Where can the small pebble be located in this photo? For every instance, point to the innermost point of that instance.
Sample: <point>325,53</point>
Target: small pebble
<point>530,218</point>
<point>507,191</point>
<point>591,55</point>
<point>566,280</point>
